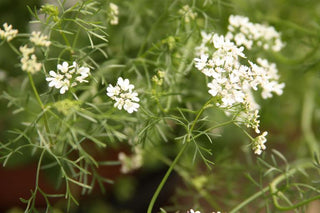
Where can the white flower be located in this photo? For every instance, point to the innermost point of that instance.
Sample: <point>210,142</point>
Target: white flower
<point>55,79</point>
<point>201,62</point>
<point>228,75</point>
<point>267,77</point>
<point>124,96</point>
<point>64,67</point>
<point>206,37</point>
<point>245,33</point>
<point>67,76</point>
<point>8,33</point>
<point>29,61</point>
<point>193,211</point>
<point>113,91</point>
<point>130,163</point>
<point>113,14</point>
<point>130,106</point>
<point>26,51</point>
<point>84,73</point>
<point>218,41</point>
<point>215,88</point>
<point>278,45</point>
<point>230,81</point>
<point>258,143</point>
<point>40,40</point>
<point>125,84</point>
<point>30,64</point>
<point>65,86</point>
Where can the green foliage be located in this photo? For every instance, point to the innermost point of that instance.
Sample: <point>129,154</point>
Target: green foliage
<point>153,45</point>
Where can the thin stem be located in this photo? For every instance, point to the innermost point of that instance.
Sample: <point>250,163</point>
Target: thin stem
<point>155,195</point>
<point>197,118</point>
<point>64,37</point>
<point>14,49</point>
<point>214,127</point>
<point>35,91</point>
<point>245,132</point>
<point>275,192</point>
<point>185,175</point>
<point>249,199</point>
<point>40,103</point>
<point>39,167</point>
<point>306,118</point>
<point>154,26</point>
<point>164,179</point>
<point>33,197</point>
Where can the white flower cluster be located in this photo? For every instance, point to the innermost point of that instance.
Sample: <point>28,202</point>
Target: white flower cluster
<point>187,13</point>
<point>8,33</point>
<point>67,76</point>
<point>113,14</point>
<point>130,163</point>
<point>124,96</point>
<point>29,60</point>
<point>233,78</point>
<point>245,33</point>
<point>258,143</point>
<point>39,40</point>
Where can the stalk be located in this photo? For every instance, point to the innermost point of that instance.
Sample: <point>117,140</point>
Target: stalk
<point>164,179</point>
<point>307,116</point>
<point>35,91</point>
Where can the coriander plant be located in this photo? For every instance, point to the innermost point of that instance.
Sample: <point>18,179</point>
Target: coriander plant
<point>208,88</point>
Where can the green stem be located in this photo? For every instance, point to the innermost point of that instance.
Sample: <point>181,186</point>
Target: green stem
<point>38,168</point>
<point>307,116</point>
<point>164,179</point>
<point>276,193</point>
<point>14,48</point>
<point>245,132</point>
<point>153,200</point>
<point>34,194</point>
<point>64,37</point>
<point>186,54</point>
<point>197,118</point>
<point>214,127</point>
<point>35,91</point>
<point>154,26</point>
<point>203,192</point>
<point>249,199</point>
